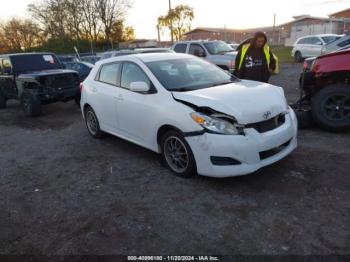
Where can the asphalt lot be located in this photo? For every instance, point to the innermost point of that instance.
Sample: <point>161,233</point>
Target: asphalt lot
<point>63,193</point>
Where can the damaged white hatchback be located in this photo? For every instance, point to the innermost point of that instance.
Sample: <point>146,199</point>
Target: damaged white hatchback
<point>198,117</point>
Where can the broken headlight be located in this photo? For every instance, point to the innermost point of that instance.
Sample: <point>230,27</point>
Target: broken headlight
<point>215,124</point>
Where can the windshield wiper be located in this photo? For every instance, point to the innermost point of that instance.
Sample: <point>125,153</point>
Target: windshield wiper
<point>181,89</point>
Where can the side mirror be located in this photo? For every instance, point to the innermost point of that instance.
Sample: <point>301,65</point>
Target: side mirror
<point>199,53</point>
<point>319,43</point>
<point>139,87</point>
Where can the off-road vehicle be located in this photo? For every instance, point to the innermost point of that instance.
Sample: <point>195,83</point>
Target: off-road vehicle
<point>36,79</point>
<point>325,91</point>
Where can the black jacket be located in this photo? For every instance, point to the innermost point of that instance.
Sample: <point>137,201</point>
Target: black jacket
<point>258,73</point>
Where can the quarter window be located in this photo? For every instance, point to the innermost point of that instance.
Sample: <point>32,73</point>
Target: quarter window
<point>196,49</point>
<point>109,73</point>
<point>6,65</point>
<point>133,73</point>
<point>344,43</point>
<point>180,48</point>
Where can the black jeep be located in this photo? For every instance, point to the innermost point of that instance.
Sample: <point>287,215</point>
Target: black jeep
<point>36,79</point>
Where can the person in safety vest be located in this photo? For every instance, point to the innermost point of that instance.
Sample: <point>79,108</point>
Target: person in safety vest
<point>255,61</point>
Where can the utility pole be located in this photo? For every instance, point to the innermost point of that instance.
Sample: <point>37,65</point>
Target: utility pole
<point>274,28</point>
<point>158,30</point>
<point>171,25</point>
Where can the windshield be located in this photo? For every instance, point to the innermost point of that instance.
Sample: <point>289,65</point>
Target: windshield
<point>35,62</point>
<point>218,47</point>
<point>188,74</point>
<point>329,39</point>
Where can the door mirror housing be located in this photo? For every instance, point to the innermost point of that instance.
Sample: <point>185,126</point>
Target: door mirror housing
<point>139,87</point>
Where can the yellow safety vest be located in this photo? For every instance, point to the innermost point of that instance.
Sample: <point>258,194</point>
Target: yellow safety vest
<point>244,51</point>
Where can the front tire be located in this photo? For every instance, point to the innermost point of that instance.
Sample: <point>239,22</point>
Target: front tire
<point>92,123</point>
<point>298,57</point>
<point>31,104</point>
<point>177,154</point>
<point>331,108</point>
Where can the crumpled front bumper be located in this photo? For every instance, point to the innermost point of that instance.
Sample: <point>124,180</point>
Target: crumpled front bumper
<point>252,151</point>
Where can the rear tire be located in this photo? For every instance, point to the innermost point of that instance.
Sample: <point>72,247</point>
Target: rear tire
<point>92,124</point>
<point>3,101</point>
<point>331,108</point>
<point>31,104</point>
<point>298,57</point>
<point>177,154</point>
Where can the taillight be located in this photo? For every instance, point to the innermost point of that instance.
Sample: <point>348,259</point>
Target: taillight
<point>305,66</point>
<point>81,87</point>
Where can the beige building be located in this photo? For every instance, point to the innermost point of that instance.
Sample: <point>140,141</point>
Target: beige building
<point>284,34</point>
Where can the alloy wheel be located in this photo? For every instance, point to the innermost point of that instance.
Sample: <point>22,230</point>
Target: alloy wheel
<point>176,154</point>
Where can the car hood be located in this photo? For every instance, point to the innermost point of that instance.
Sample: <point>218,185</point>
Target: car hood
<point>228,54</point>
<point>247,101</point>
<point>34,74</point>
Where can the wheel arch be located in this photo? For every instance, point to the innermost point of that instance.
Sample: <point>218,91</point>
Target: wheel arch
<point>163,130</point>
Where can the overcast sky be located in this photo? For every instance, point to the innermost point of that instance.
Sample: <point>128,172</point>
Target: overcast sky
<point>208,13</point>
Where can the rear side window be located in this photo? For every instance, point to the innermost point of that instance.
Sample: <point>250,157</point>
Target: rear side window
<point>344,43</point>
<point>314,41</point>
<point>301,41</point>
<point>6,65</point>
<point>180,48</point>
<point>195,49</point>
<point>109,73</point>
<point>133,73</point>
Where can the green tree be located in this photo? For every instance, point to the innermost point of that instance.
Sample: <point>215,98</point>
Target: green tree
<point>180,17</point>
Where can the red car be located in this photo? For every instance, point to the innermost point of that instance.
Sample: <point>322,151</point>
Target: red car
<point>326,88</point>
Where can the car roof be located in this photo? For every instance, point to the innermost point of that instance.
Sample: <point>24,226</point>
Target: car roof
<point>320,35</point>
<point>197,41</point>
<point>148,57</point>
<point>22,54</point>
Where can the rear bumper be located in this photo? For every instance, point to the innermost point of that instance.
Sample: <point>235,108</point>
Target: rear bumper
<point>250,152</point>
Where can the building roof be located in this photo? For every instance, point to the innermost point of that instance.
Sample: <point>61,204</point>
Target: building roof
<point>305,17</point>
<point>339,12</point>
<point>228,30</point>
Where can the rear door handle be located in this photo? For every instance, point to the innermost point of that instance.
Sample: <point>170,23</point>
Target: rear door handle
<point>120,98</point>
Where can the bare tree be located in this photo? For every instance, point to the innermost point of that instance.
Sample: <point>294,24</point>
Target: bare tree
<point>110,12</point>
<point>20,35</point>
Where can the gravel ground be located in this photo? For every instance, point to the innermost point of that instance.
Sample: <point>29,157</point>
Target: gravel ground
<point>64,193</point>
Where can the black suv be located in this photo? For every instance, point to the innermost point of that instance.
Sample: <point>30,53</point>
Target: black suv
<point>36,79</point>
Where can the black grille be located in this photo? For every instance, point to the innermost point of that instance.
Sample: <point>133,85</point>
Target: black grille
<point>62,81</point>
<point>273,151</point>
<point>268,125</point>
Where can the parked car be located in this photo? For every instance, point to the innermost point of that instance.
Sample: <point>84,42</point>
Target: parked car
<point>123,52</point>
<point>198,117</point>
<point>90,59</point>
<point>341,42</point>
<point>326,91</point>
<point>82,68</point>
<point>36,79</point>
<point>217,52</point>
<point>67,58</point>
<point>311,46</point>
<point>234,46</point>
